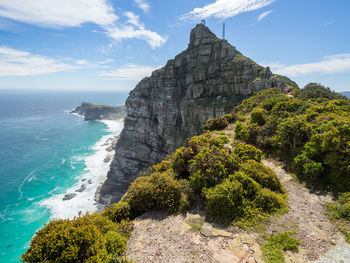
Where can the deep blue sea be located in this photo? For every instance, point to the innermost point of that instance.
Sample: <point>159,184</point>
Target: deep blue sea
<point>45,153</point>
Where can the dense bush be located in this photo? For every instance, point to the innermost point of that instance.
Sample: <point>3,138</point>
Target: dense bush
<point>117,212</point>
<point>224,201</point>
<point>91,238</point>
<point>326,156</point>
<point>157,191</point>
<point>263,175</point>
<point>270,201</point>
<point>210,166</point>
<point>219,123</point>
<point>247,152</point>
<point>241,131</point>
<point>240,196</point>
<point>258,115</point>
<point>292,134</point>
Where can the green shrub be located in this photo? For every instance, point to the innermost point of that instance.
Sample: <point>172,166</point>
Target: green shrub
<point>241,131</point>
<point>115,243</point>
<point>224,201</point>
<point>270,102</point>
<point>290,106</point>
<point>216,124</point>
<point>340,208</point>
<point>292,134</point>
<point>157,191</point>
<point>258,115</point>
<point>139,196</point>
<point>250,186</point>
<point>66,241</point>
<point>210,166</point>
<point>270,201</point>
<point>247,152</point>
<point>117,212</point>
<point>180,159</point>
<point>161,167</point>
<point>274,247</point>
<point>263,175</point>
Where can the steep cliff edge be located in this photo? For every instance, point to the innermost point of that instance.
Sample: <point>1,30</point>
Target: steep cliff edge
<point>98,112</point>
<point>204,81</point>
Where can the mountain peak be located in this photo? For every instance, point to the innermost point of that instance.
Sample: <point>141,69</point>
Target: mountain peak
<point>201,32</point>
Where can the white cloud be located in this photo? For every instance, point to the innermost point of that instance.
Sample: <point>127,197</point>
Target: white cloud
<point>106,61</point>
<point>20,63</point>
<point>225,8</point>
<point>142,4</point>
<point>129,72</point>
<point>329,23</point>
<point>82,62</point>
<point>62,13</point>
<point>328,65</point>
<point>135,29</point>
<point>73,13</point>
<point>263,15</point>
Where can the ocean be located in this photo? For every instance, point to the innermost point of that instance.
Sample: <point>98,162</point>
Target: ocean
<point>45,153</point>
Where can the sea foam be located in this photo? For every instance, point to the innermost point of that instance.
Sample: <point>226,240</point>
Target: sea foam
<point>93,176</point>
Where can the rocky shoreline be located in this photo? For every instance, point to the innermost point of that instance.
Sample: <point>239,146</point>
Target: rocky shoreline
<point>88,112</point>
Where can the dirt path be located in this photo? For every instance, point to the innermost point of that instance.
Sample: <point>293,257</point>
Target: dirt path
<point>307,216</point>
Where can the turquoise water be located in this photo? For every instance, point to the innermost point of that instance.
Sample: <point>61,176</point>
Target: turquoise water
<point>44,151</point>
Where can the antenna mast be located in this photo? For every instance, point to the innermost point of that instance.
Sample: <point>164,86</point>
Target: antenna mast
<point>223,30</point>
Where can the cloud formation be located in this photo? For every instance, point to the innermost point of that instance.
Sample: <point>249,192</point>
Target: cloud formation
<point>133,28</point>
<point>129,72</point>
<point>263,15</point>
<point>143,5</point>
<point>328,65</point>
<point>63,13</point>
<point>69,13</point>
<point>20,63</point>
<point>225,8</point>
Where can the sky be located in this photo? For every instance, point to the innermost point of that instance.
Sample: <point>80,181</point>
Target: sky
<point>112,44</point>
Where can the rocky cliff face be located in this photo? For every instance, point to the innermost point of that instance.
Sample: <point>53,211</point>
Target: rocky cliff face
<point>99,112</point>
<point>204,81</point>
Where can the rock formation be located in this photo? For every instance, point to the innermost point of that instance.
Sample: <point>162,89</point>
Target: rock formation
<point>98,112</point>
<point>205,81</point>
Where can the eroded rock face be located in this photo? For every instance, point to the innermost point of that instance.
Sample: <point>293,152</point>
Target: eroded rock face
<point>205,81</point>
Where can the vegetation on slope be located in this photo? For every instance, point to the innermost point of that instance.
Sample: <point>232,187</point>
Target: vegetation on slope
<point>274,247</point>
<point>340,214</point>
<point>310,135</point>
<point>91,238</point>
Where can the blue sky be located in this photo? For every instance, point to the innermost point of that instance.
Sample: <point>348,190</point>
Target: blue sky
<point>111,45</point>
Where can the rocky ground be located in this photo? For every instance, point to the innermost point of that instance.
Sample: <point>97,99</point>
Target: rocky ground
<point>188,237</point>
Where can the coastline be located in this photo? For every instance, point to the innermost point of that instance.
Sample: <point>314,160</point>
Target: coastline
<point>83,196</point>
<point>99,206</point>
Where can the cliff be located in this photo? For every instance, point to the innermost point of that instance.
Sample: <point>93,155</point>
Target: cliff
<point>98,112</point>
<point>204,81</point>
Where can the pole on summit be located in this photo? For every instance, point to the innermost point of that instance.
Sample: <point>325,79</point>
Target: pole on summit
<point>223,30</point>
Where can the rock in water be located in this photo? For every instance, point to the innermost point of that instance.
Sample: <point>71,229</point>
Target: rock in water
<point>205,81</point>
<point>69,196</point>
